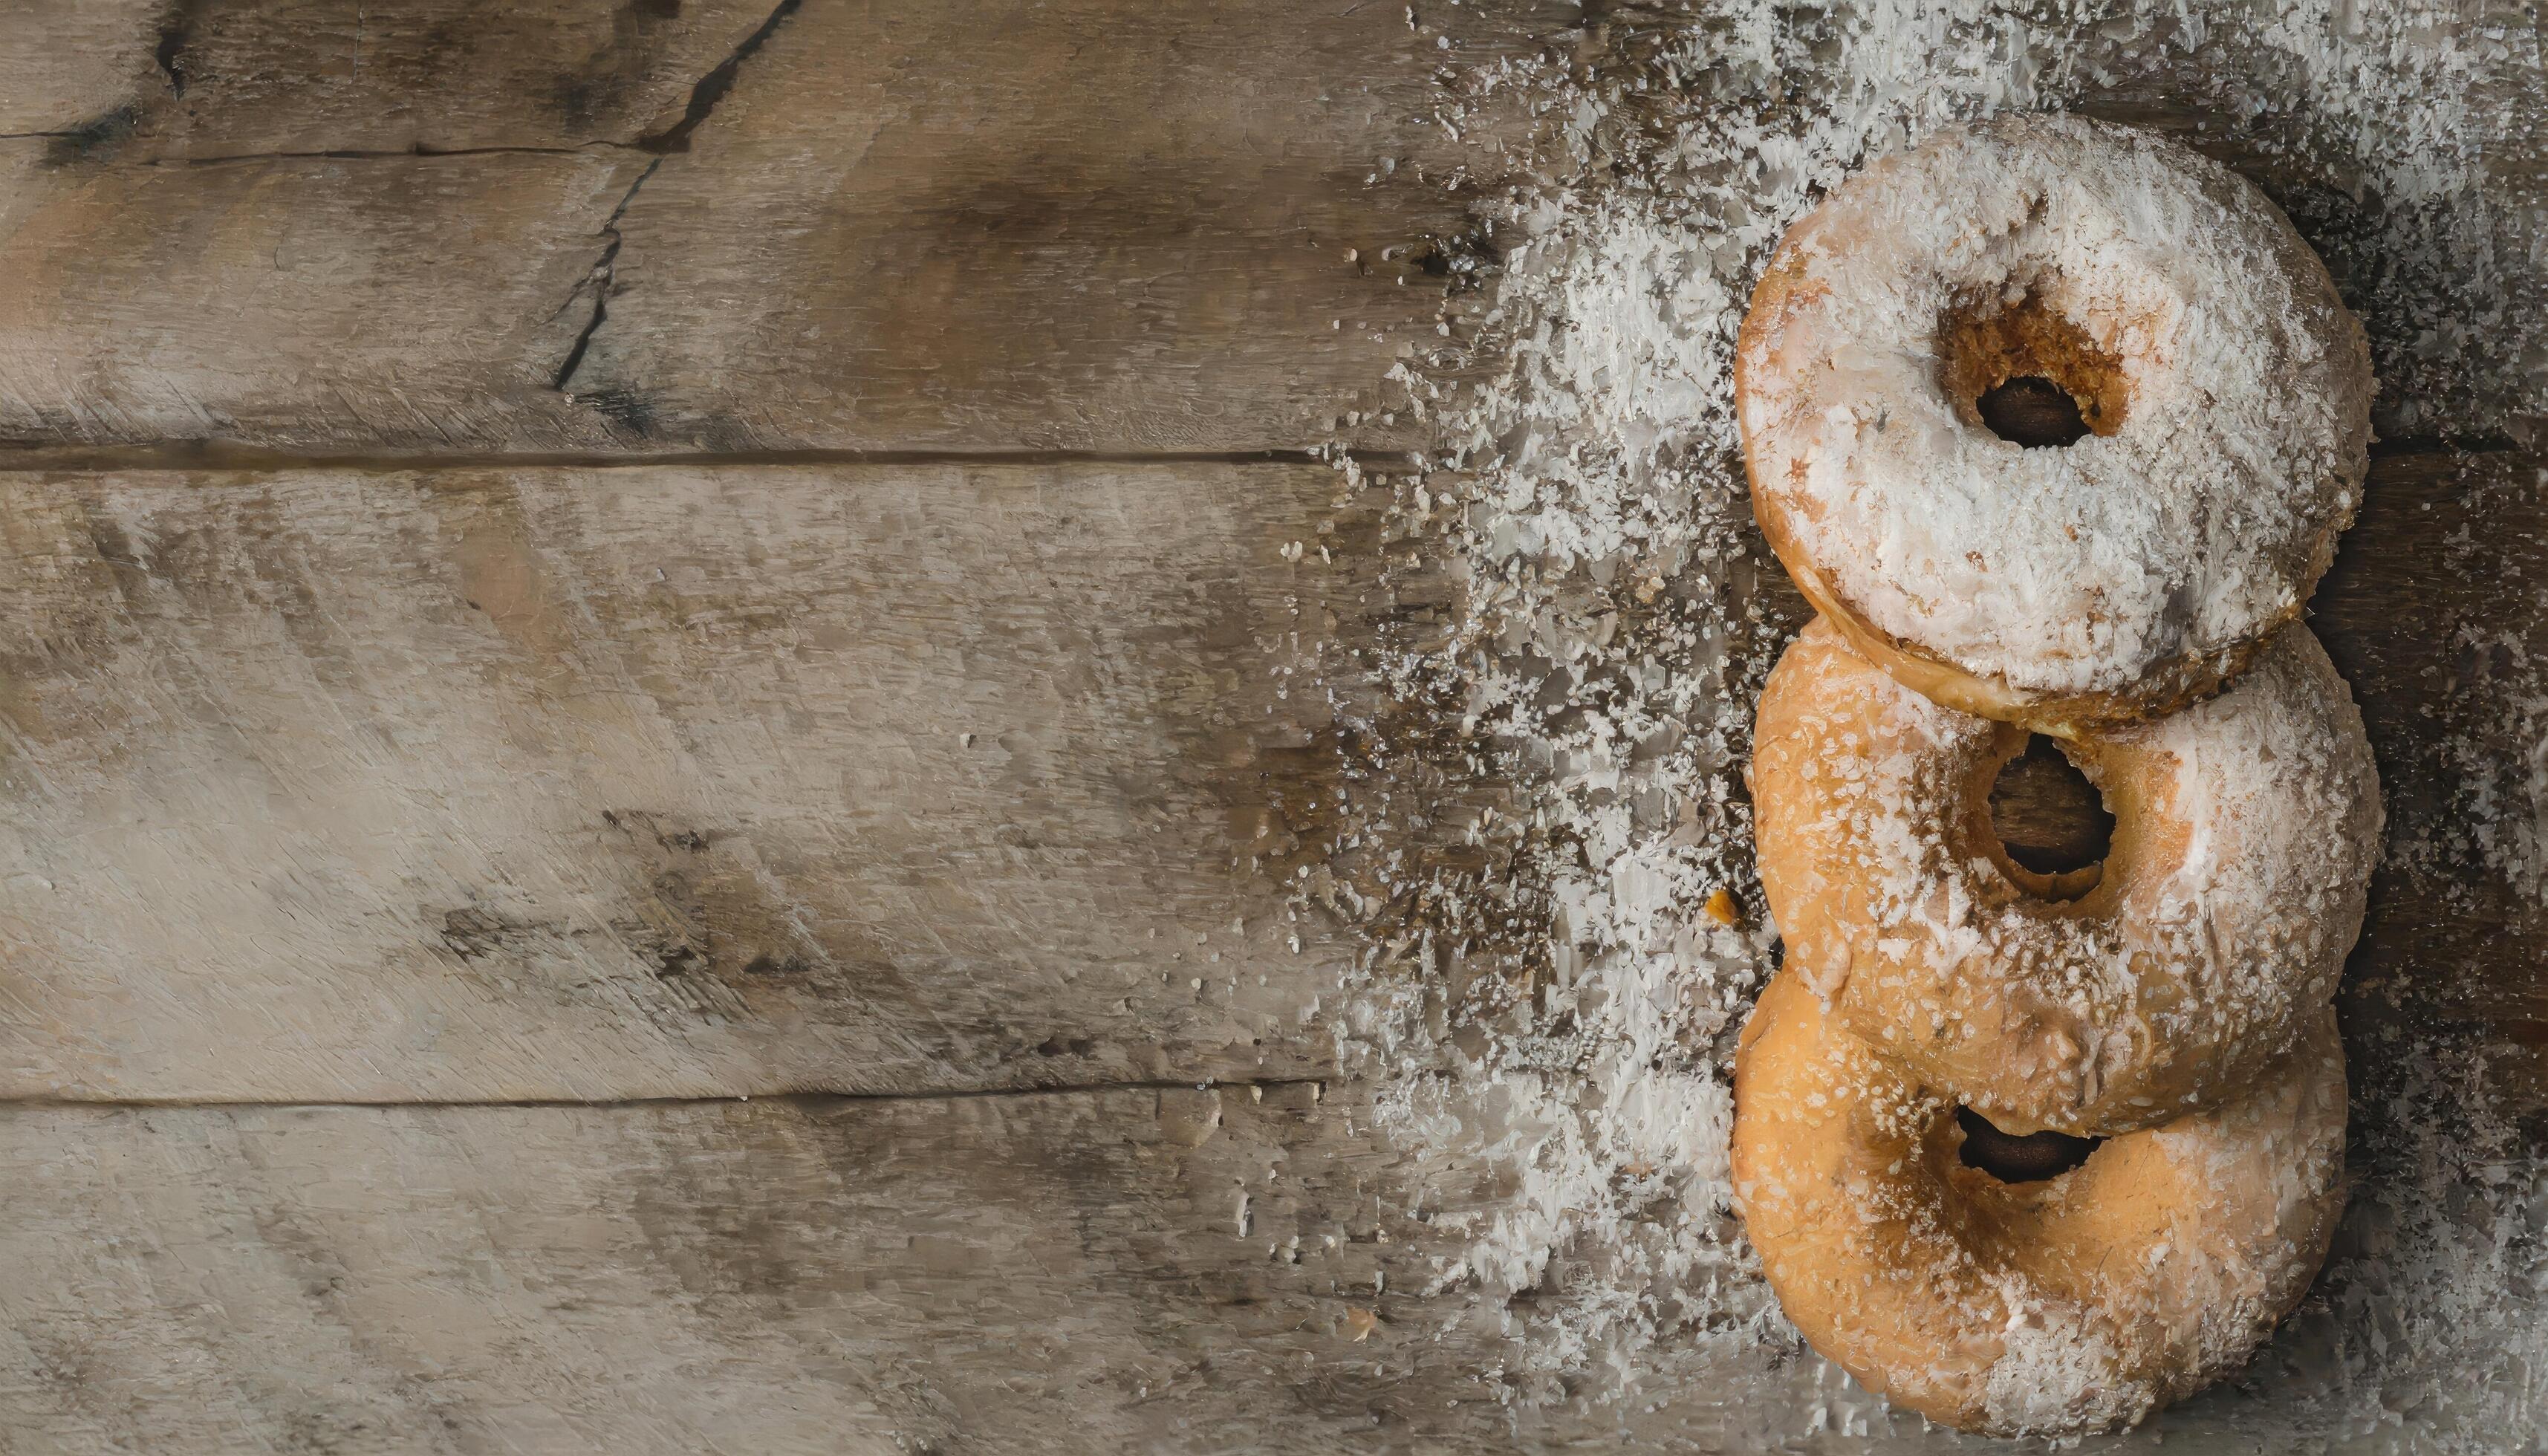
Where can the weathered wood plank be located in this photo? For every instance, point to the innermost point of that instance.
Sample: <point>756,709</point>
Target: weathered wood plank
<point>660,782</point>
<point>297,300</point>
<point>888,224</point>
<point>2438,613</point>
<point>1126,1271</point>
<point>212,226</point>
<point>1133,1270</point>
<point>1200,230</point>
<point>66,64</point>
<point>852,225</point>
<point>155,81</point>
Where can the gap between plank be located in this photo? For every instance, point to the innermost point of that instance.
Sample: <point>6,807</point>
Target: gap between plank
<point>22,458</point>
<point>128,459</point>
<point>799,1098</point>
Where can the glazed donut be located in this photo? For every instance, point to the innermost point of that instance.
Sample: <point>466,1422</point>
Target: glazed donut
<point>2223,386</point>
<point>2054,1306</point>
<point>2159,981</point>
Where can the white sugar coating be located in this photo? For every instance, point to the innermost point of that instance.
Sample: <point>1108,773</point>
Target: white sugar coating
<point>1586,456</point>
<point>2057,1375</point>
<point>2249,823</point>
<point>2061,1368</point>
<point>2199,523</point>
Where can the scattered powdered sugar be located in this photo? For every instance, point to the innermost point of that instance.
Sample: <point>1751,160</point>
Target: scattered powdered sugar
<point>2494,768</point>
<point>1548,812</point>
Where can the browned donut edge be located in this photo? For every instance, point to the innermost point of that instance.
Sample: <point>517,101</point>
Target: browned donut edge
<point>1822,697</point>
<point>1896,1264</point>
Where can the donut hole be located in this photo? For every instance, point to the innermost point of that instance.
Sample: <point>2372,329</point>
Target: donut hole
<point>2012,1157</point>
<point>2051,821</point>
<point>2019,368</point>
<point>2032,412</point>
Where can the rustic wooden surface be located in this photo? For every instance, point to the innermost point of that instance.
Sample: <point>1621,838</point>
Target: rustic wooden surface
<point>663,781</point>
<point>1166,1269</point>
<point>666,780</point>
<point>1127,1269</point>
<point>972,227</point>
<point>858,743</point>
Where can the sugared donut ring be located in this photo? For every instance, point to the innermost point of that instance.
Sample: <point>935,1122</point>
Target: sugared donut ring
<point>2225,387</point>
<point>2044,1307</point>
<point>2153,984</point>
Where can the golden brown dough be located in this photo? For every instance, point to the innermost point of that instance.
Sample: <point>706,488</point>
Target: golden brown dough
<point>2056,425</point>
<point>2156,983</point>
<point>2074,1304</point>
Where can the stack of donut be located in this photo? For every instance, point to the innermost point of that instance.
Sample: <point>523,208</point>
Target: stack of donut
<point>2056,424</point>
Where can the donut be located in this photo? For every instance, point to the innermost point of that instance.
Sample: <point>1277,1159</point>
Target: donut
<point>1903,376</point>
<point>2069,1303</point>
<point>2120,996</point>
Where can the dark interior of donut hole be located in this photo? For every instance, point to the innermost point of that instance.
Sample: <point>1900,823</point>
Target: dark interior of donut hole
<point>2012,1158</point>
<point>2023,371</point>
<point>2051,822</point>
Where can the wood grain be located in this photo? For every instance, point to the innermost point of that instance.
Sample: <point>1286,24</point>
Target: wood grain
<point>313,225</point>
<point>300,302</point>
<point>490,784</point>
<point>1143,1270</point>
<point>66,64</point>
<point>195,82</point>
<point>688,780</point>
<point>1204,230</point>
<point>2438,613</point>
<point>1137,1270</point>
<point>1082,225</point>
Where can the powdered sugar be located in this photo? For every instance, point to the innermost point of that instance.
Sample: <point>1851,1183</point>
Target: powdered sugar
<point>2058,1374</point>
<point>1603,661</point>
<point>2235,889</point>
<point>2185,529</point>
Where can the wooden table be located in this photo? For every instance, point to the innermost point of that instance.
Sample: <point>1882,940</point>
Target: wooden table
<point>642,735</point>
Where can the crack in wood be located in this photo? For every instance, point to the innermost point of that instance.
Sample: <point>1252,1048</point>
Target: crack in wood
<point>713,87</point>
<point>603,277</point>
<point>403,153</point>
<point>711,90</point>
<point>176,33</point>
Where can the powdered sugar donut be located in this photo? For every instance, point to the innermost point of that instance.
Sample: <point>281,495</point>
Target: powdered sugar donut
<point>2153,984</point>
<point>2225,389</point>
<point>2046,1308</point>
